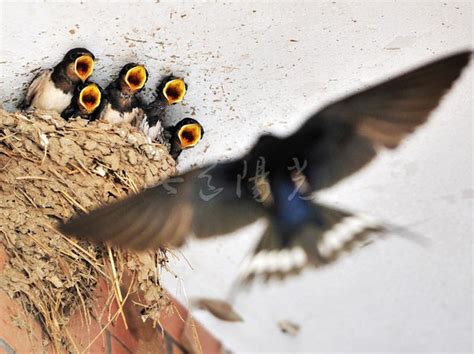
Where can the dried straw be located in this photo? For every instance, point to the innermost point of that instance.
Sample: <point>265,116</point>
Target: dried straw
<point>51,169</point>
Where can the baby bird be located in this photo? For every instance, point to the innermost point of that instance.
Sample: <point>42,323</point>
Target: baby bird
<point>52,89</point>
<point>88,102</point>
<point>123,105</point>
<point>170,91</point>
<point>184,135</point>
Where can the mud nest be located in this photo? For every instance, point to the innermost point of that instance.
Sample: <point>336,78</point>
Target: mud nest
<point>51,169</point>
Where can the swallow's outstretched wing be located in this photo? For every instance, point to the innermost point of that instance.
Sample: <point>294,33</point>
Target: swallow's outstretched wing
<point>204,201</point>
<point>345,135</point>
<point>335,142</point>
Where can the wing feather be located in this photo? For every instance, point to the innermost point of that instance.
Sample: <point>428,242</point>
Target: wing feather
<point>157,218</point>
<point>335,142</point>
<point>345,135</point>
<point>33,87</point>
<point>397,106</point>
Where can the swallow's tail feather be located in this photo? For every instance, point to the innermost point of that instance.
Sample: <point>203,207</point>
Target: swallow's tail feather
<point>316,243</point>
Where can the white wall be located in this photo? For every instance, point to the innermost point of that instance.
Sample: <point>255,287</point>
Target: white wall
<point>246,77</point>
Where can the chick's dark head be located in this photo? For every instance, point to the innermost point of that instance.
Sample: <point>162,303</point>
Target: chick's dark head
<point>133,78</point>
<point>185,135</point>
<point>79,64</point>
<point>89,96</point>
<point>172,89</point>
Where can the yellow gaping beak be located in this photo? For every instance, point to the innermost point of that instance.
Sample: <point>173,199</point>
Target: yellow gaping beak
<point>189,135</point>
<point>90,97</point>
<point>174,91</point>
<point>136,78</point>
<point>83,67</point>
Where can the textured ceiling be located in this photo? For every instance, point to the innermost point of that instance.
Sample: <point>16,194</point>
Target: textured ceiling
<point>256,68</point>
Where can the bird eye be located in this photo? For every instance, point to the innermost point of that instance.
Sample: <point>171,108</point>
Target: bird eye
<point>189,135</point>
<point>90,97</point>
<point>136,77</point>
<point>174,91</point>
<point>83,67</point>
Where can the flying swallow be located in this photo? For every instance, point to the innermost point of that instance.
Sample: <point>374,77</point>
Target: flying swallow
<point>52,89</point>
<point>333,143</point>
<point>123,105</point>
<point>170,91</point>
<point>87,102</point>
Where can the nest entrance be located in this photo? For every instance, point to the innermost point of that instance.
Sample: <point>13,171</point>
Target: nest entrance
<point>51,169</point>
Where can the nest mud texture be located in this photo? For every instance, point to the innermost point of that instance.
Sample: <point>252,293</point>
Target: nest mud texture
<point>49,170</point>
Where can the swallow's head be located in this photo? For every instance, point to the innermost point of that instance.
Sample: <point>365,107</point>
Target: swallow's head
<point>188,133</point>
<point>89,97</point>
<point>133,78</point>
<point>172,89</point>
<point>80,64</point>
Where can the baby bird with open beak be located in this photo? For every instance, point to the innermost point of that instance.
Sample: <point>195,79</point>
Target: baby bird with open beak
<point>184,135</point>
<point>88,102</point>
<point>123,105</point>
<point>170,91</point>
<point>52,89</point>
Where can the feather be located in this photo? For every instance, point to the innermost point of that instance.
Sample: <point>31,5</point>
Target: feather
<point>34,86</point>
<point>333,143</point>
